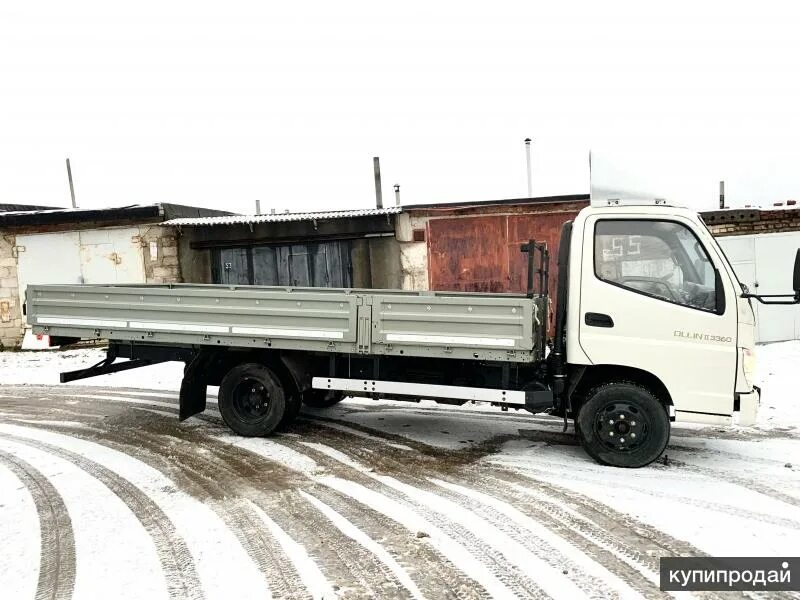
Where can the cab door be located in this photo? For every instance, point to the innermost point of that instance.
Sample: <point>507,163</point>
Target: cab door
<point>651,299</point>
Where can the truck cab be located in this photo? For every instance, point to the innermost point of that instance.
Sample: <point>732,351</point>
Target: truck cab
<point>654,305</point>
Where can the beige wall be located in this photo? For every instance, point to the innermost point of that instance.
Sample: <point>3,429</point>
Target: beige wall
<point>10,306</point>
<point>161,262</point>
<point>413,255</point>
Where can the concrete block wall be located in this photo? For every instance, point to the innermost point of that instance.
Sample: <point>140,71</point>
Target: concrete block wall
<point>11,328</point>
<point>160,250</point>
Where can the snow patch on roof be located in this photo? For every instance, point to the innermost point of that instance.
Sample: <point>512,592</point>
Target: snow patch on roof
<point>283,217</point>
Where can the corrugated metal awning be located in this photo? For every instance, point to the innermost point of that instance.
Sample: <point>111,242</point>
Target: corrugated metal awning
<point>282,217</point>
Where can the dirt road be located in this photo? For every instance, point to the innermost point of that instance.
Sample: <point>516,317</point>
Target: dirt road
<point>103,493</point>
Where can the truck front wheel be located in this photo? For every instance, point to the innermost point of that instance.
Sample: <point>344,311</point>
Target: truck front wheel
<point>252,400</point>
<point>623,424</point>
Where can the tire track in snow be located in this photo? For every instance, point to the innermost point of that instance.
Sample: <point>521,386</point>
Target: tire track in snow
<point>220,470</point>
<point>393,510</point>
<point>205,478</point>
<point>633,541</point>
<point>467,457</point>
<point>439,579</point>
<point>353,532</point>
<point>57,556</point>
<point>641,576</point>
<point>357,564</point>
<point>454,472</point>
<point>736,511</point>
<point>618,554</point>
<point>592,585</point>
<point>642,573</point>
<point>185,511</point>
<point>510,575</point>
<point>750,484</point>
<point>173,554</point>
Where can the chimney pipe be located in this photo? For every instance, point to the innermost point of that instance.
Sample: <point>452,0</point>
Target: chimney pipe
<point>258,207</point>
<point>272,211</point>
<point>397,194</point>
<point>722,194</point>
<point>376,163</point>
<point>71,187</point>
<point>528,159</point>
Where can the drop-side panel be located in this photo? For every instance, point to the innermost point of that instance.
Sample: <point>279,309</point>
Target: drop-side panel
<point>463,325</point>
<point>201,315</point>
<point>394,322</point>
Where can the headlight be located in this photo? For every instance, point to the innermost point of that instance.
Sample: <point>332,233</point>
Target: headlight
<point>749,365</point>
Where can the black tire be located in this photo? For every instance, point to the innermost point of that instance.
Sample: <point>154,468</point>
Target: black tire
<point>293,405</point>
<point>252,400</point>
<point>623,424</point>
<point>322,398</point>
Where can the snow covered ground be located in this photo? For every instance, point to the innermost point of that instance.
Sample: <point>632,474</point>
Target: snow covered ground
<point>103,493</point>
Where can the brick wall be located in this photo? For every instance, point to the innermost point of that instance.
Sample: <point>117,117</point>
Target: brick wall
<point>749,221</point>
<point>10,309</point>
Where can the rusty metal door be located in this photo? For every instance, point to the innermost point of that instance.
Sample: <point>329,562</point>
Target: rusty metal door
<point>481,254</point>
<point>469,254</point>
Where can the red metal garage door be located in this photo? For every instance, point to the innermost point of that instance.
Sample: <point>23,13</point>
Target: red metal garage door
<point>481,254</point>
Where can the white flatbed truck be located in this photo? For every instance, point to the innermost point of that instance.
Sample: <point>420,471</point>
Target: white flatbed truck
<point>651,326</point>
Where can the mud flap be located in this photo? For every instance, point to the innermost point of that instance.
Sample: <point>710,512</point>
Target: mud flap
<point>537,401</point>
<point>193,387</point>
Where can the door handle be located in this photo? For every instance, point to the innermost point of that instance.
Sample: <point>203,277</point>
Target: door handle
<point>598,320</point>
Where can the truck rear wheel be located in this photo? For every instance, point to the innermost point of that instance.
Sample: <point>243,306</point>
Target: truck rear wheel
<point>623,424</point>
<point>252,400</point>
<point>293,405</point>
<point>322,398</point>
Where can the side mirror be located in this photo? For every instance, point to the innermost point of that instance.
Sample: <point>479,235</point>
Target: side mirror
<point>796,277</point>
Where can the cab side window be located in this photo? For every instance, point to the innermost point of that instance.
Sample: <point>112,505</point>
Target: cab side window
<point>661,259</point>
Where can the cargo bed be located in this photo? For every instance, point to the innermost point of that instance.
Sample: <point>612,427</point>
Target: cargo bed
<point>499,327</point>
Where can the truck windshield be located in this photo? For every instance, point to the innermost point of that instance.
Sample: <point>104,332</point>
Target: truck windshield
<point>721,252</point>
<point>662,259</point>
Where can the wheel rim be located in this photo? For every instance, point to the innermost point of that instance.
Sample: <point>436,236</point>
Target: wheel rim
<point>251,400</point>
<point>621,427</point>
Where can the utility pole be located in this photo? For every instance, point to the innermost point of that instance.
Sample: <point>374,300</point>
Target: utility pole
<point>528,158</point>
<point>71,187</point>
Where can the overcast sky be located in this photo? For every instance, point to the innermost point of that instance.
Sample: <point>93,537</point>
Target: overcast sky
<point>220,103</point>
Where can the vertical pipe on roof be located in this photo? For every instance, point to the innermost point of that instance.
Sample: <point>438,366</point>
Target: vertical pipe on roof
<point>528,160</point>
<point>71,187</point>
<point>376,164</point>
<point>397,194</point>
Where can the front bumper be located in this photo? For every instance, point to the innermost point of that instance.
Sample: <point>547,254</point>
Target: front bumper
<point>748,407</point>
